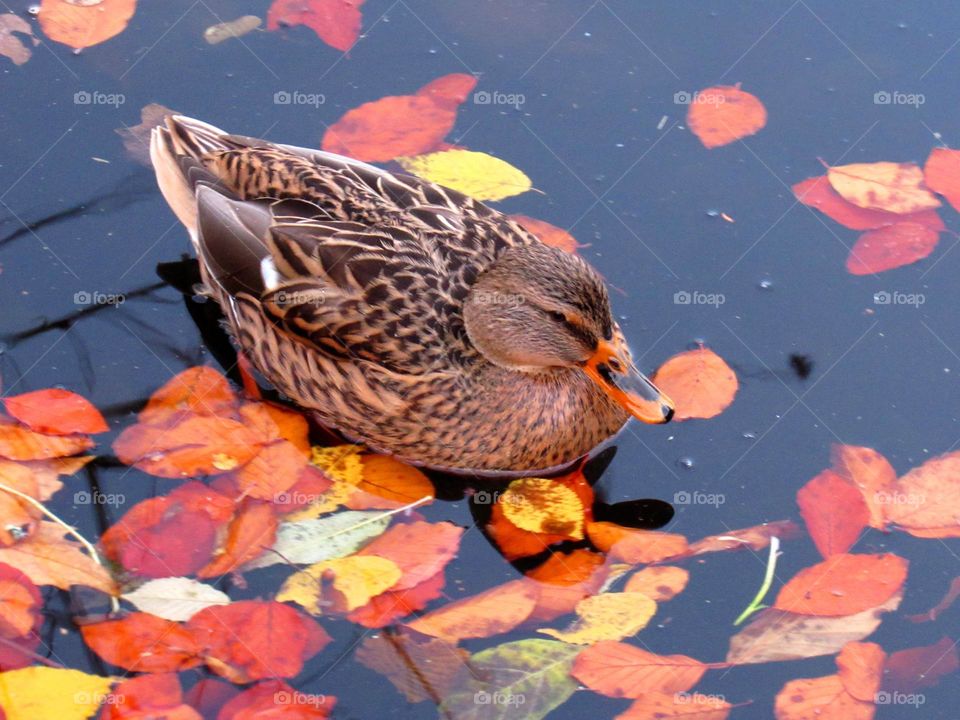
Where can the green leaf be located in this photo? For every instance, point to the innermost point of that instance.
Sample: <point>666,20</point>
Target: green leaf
<point>525,678</point>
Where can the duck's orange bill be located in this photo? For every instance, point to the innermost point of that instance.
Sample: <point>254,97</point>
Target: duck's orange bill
<point>610,368</point>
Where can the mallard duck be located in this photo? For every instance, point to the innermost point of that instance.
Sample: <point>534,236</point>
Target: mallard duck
<point>412,318</point>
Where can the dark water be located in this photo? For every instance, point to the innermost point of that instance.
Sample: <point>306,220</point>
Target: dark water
<point>597,80</point>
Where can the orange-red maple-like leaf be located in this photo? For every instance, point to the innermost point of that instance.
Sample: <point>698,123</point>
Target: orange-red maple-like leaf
<point>843,585</point>
<point>56,412</point>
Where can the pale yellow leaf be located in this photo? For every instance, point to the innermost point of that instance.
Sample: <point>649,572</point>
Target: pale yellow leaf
<point>476,174</point>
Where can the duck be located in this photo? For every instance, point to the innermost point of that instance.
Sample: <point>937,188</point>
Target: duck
<point>410,317</point>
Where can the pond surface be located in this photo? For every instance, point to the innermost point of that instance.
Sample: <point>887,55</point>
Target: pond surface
<point>600,134</point>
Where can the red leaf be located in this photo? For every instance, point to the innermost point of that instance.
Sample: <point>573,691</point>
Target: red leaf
<point>149,696</point>
<point>818,193</point>
<point>450,90</point>
<point>843,585</point>
<point>420,549</point>
<point>20,443</point>
<point>920,667</point>
<point>252,531</point>
<point>198,390</point>
<point>252,639</point>
<point>834,511</point>
<point>621,670</point>
<point>891,247</point>
<point>57,412</point>
<point>547,234</point>
<point>336,22</point>
<point>387,607</point>
<point>942,174</point>
<point>209,695</point>
<point>275,699</point>
<point>140,642</point>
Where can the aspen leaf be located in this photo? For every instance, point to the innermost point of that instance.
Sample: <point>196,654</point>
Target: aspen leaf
<point>843,585</point>
<point>890,186</point>
<point>81,25</point>
<point>834,511</point>
<point>543,506</point>
<point>891,247</point>
<point>699,382</point>
<point>621,670</point>
<point>476,174</point>
<point>723,114</point>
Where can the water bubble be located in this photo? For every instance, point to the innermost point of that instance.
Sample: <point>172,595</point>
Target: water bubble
<point>902,25</point>
<point>686,463</point>
<point>33,10</point>
<point>765,284</point>
<point>433,51</point>
<point>749,435</point>
<point>713,213</point>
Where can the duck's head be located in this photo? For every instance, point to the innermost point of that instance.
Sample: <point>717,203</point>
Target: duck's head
<point>538,308</point>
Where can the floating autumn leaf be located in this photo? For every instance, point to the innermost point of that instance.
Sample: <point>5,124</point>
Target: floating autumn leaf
<point>270,473</point>
<point>548,234</point>
<point>143,643</point>
<point>893,187</point>
<point>834,511</point>
<point>146,696</point>
<point>26,694</point>
<point>48,558</point>
<point>941,173</point>
<point>171,534</point>
<point>20,618</point>
<point>20,443</point>
<point>494,611</point>
<point>336,22</point>
<point>476,174</point>
<point>399,125</point>
<point>538,671</point>
<point>175,598</point>
<point>723,114</point>
<point>607,616</point>
<point>843,585</point>
<point>343,465</point>
<point>634,546</point>
<point>56,412</point>
<point>565,579</point>
<point>891,247</point>
<point>822,697</point>
<point>916,668</point>
<point>421,668</point>
<point>660,582</point>
<point>253,639</point>
<point>341,584</point>
<point>617,669</point>
<point>924,502</point>
<point>754,538</point>
<point>860,667</point>
<point>699,382</point>
<point>872,473</point>
<point>389,606</point>
<point>136,138</point>
<point>84,24</point>
<point>776,635</point>
<point>274,698</point>
<point>20,516</point>
<point>199,390</point>
<point>677,705</point>
<point>389,483</point>
<point>10,45</point>
<point>419,549</point>
<point>252,530</point>
<point>818,193</point>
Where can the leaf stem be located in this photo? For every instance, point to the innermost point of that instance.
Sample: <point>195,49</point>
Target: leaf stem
<point>755,604</point>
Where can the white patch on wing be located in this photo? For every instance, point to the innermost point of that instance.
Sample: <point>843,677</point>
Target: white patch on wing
<point>269,273</point>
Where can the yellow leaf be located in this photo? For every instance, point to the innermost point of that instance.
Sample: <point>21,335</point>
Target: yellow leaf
<point>894,187</point>
<point>342,464</point>
<point>356,578</point>
<point>45,692</point>
<point>608,616</point>
<point>543,506</point>
<point>476,174</point>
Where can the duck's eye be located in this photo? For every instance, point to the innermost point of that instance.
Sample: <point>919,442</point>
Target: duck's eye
<point>558,316</point>
<point>615,365</point>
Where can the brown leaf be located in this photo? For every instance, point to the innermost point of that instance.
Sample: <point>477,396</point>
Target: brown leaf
<point>10,45</point>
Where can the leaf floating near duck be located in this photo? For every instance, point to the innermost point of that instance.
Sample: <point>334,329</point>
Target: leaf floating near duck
<point>82,25</point>
<point>476,174</point>
<point>700,383</point>
<point>724,114</point>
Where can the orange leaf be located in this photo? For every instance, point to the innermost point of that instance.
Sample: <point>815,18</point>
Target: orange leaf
<point>253,639</point>
<point>276,422</point>
<point>924,502</point>
<point>942,174</point>
<point>252,531</point>
<point>843,585</point>
<point>272,471</point>
<point>19,443</point>
<point>547,234</point>
<point>834,511</point>
<point>20,603</point>
<point>275,699</point>
<point>891,247</point>
<point>634,546</point>
<point>20,517</point>
<point>565,579</point>
<point>723,114</point>
<point>617,669</point>
<point>56,412</point>
<point>497,610</point>
<point>140,642</point>
<point>693,706</point>
<point>420,549</point>
<point>860,667</point>
<point>48,558</point>
<point>388,607</point>
<point>389,483</point>
<point>450,90</point>
<point>871,473</point>
<point>84,25</point>
<point>148,696</point>
<point>336,22</point>
<point>198,390</point>
<point>818,193</point>
<point>700,383</point>
<point>823,698</point>
<point>199,445</point>
<point>663,582</point>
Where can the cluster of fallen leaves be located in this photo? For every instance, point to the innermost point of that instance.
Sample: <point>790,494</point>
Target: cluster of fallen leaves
<point>249,492</point>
